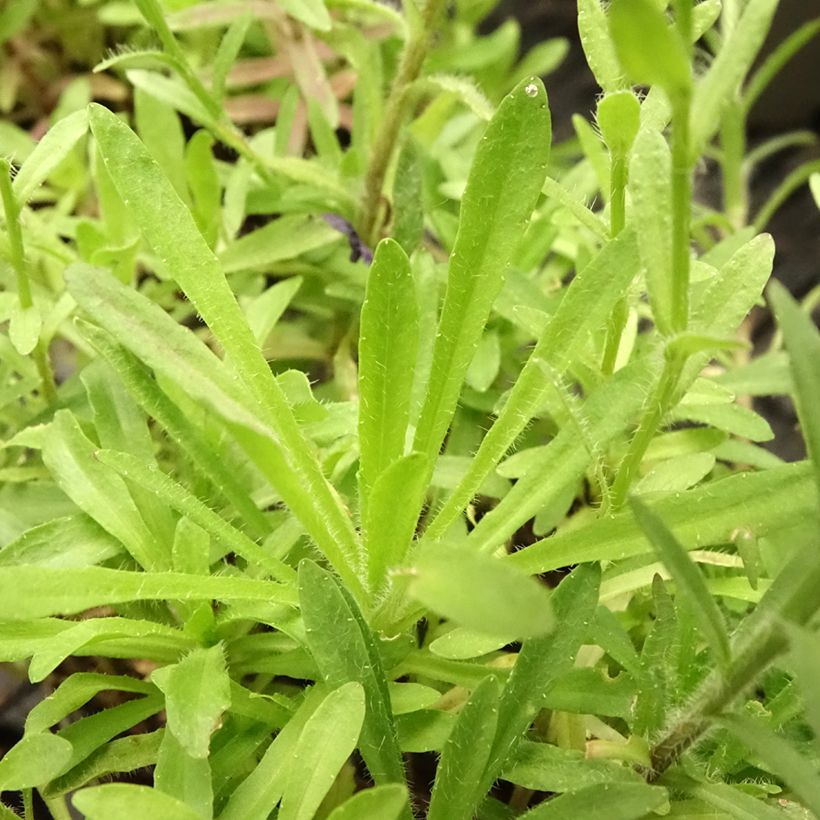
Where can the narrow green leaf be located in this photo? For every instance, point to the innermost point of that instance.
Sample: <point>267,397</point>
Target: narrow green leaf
<point>408,211</point>
<point>540,663</point>
<point>598,46</point>
<point>120,756</point>
<point>761,502</point>
<point>389,522</point>
<point>465,755</point>
<point>503,187</point>
<point>780,757</point>
<point>387,802</point>
<point>257,795</point>
<point>228,51</point>
<point>388,341</point>
<point>151,478</point>
<point>651,206</point>
<point>173,351</point>
<point>551,768</point>
<point>98,491</point>
<point>183,777</point>
<point>803,343</point>
<point>50,151</point>
<point>197,692</point>
<point>76,691</point>
<point>24,328</point>
<point>170,229</point>
<point>33,761</point>
<point>650,50</point>
<point>584,309</point>
<point>475,591</point>
<point>733,61</point>
<point>605,801</point>
<point>203,181</point>
<point>687,576</point>
<point>37,592</point>
<point>344,650</point>
<point>69,541</point>
<point>805,660</point>
<point>160,130</point>
<point>278,241</point>
<point>326,742</point>
<point>145,390</point>
<point>123,801</point>
<point>561,464</point>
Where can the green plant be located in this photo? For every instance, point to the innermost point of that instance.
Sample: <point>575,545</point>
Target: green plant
<point>272,493</point>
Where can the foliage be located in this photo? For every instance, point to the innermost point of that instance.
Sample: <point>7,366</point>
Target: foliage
<point>315,354</point>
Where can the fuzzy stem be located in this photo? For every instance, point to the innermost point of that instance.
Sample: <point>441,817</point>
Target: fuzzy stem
<point>793,597</point>
<point>733,145</point>
<point>681,213</point>
<point>656,409</point>
<point>382,153</point>
<point>617,220</point>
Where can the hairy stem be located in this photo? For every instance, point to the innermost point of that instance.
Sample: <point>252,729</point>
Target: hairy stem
<point>681,213</point>
<point>656,409</point>
<point>617,220</point>
<point>385,146</point>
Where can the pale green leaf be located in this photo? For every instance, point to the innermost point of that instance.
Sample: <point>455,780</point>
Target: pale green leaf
<point>50,151</point>
<point>33,761</point>
<point>181,776</point>
<point>761,502</point>
<point>388,341</point>
<point>605,801</point>
<point>477,592</point>
<point>504,183</point>
<point>283,239</point>
<point>326,742</point>
<point>24,328</point>
<point>618,116</point>
<point>650,50</point>
<point>123,801</point>
<point>387,802</point>
<point>197,692</point>
<point>465,755</point>
<point>803,343</point>
<point>36,592</point>
<point>733,61</point>
<point>598,46</point>
<point>344,650</point>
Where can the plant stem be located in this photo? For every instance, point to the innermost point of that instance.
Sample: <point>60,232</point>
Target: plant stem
<point>733,145</point>
<point>382,152</point>
<point>681,205</point>
<point>17,256</point>
<point>28,804</point>
<point>793,597</point>
<point>617,220</point>
<point>656,409</point>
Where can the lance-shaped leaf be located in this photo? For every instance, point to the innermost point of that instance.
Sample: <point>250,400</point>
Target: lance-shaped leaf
<point>386,802</point>
<point>326,742</point>
<point>604,801</point>
<point>388,341</point>
<point>583,310</point>
<point>344,650</point>
<point>173,351</point>
<point>33,761</point>
<point>505,181</point>
<point>465,755</point>
<point>803,343</point>
<point>122,801</point>
<point>197,692</point>
<point>169,227</point>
